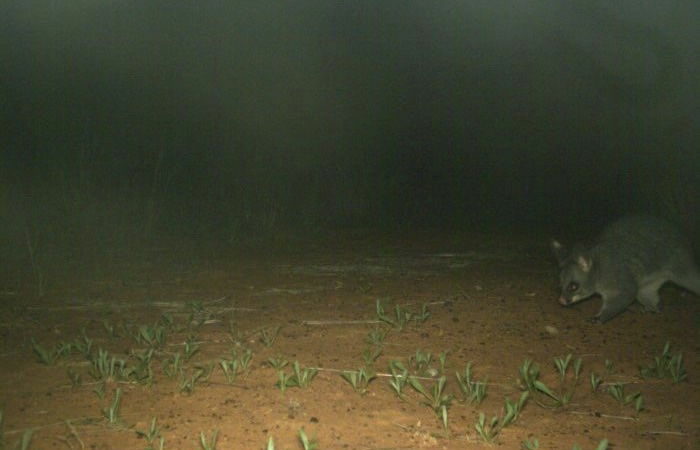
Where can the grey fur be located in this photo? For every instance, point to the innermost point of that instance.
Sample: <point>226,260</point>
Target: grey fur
<point>632,259</point>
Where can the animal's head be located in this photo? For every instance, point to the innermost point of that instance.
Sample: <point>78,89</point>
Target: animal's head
<point>575,273</point>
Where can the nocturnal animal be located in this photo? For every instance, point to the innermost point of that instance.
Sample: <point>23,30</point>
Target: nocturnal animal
<point>631,259</point>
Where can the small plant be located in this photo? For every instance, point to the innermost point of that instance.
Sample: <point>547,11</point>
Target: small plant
<point>666,366</point>
<point>529,378</point>
<point>376,337</point>
<point>106,368</point>
<point>268,336</point>
<point>208,444</point>
<point>400,319</point>
<point>487,431</point>
<point>609,367</point>
<point>191,347</point>
<point>141,372</point>
<point>370,355</point>
<point>359,379</point>
<point>420,361</point>
<point>111,413</point>
<point>435,398</point>
<point>530,444</point>
<point>595,381</point>
<point>277,362</point>
<point>188,383</point>
<point>244,359</point>
<point>49,357</point>
<point>308,444</point>
<point>151,434</point>
<point>74,377</point>
<point>423,315</point>
<point>150,335</point>
<point>284,380</point>
<point>562,365</point>
<point>399,378</point>
<point>110,329</point>
<point>442,358</point>
<point>472,391</point>
<point>230,369</point>
<point>303,376</point>
<point>603,445</point>
<point>83,345</point>
<point>617,391</point>
<point>173,366</point>
<point>511,411</point>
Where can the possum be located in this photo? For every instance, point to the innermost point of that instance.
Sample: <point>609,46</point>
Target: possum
<point>631,259</point>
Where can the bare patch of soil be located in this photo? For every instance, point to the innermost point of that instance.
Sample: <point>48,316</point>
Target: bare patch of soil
<point>491,302</point>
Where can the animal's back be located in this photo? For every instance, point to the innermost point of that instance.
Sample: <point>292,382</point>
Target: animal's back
<point>643,245</point>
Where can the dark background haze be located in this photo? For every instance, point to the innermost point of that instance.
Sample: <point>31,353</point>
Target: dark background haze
<point>233,120</point>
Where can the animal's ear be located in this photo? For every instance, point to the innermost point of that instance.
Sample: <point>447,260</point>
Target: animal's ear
<point>558,249</point>
<point>584,262</point>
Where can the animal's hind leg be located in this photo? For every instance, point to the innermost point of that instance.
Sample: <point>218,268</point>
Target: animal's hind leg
<point>688,279</point>
<point>648,296</point>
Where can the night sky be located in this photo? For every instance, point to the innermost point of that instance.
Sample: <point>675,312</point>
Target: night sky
<point>227,120</point>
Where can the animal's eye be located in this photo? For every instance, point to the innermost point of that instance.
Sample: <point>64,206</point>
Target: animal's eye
<point>572,287</point>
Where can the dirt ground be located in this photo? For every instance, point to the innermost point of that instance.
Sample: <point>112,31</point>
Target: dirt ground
<point>492,301</point>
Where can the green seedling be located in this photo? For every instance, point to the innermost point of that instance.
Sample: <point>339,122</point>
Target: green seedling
<point>191,347</point>
<point>100,391</point>
<point>151,335</point>
<point>74,377</point>
<point>442,358</point>
<point>173,366</point>
<point>562,366</point>
<point>244,359</point>
<point>420,361</point>
<point>151,434</point>
<point>277,362</point>
<point>230,369</point>
<point>106,368</point>
<point>400,319</point>
<point>26,439</point>
<point>268,336</point>
<point>49,357</point>
<point>511,410</point>
<point>423,315</point>
<point>188,383</point>
<point>110,329</point>
<point>602,445</point>
<point>270,444</point>
<point>436,397</point>
<point>83,345</point>
<point>666,366</point>
<point>167,321</point>
<point>595,381</point>
<point>609,367</point>
<point>308,444</point>
<point>488,432</point>
<point>208,444</point>
<point>529,378</point>
<point>370,355</point>
<point>111,413</point>
<point>472,391</point>
<point>359,379</point>
<point>399,378</point>
<point>617,391</point>
<point>530,444</point>
<point>284,380</point>
<point>141,372</point>
<point>303,376</point>
<point>376,337</point>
